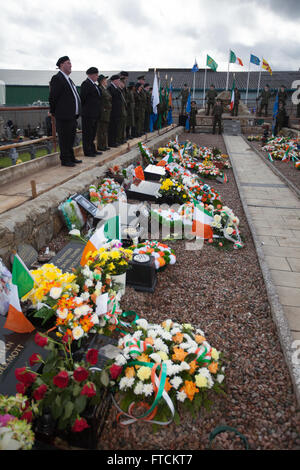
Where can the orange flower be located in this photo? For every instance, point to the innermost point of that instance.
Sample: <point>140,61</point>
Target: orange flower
<point>142,358</point>
<point>129,372</point>
<point>193,366</point>
<point>213,367</point>
<point>199,339</point>
<point>190,389</point>
<point>168,386</point>
<point>179,354</point>
<point>149,340</point>
<point>178,338</point>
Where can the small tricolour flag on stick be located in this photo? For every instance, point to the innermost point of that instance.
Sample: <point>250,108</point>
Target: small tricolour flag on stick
<point>22,283</point>
<point>167,159</point>
<point>202,220</point>
<point>110,230</point>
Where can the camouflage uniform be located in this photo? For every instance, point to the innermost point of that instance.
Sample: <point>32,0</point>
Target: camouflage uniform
<point>184,94</point>
<point>148,110</point>
<point>123,118</point>
<point>210,97</point>
<point>103,123</point>
<point>139,112</point>
<point>130,128</point>
<point>193,119</point>
<point>265,96</point>
<point>217,114</point>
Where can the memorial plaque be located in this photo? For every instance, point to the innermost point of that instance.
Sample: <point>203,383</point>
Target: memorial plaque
<point>106,347</point>
<point>28,254</point>
<point>69,257</point>
<point>87,205</point>
<point>154,172</point>
<point>144,190</point>
<point>15,352</point>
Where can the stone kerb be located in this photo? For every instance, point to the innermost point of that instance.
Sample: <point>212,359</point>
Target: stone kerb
<point>37,221</point>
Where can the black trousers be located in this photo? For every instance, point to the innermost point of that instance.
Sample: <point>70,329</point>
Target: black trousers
<point>89,131</point>
<point>210,104</point>
<point>66,130</point>
<point>113,130</point>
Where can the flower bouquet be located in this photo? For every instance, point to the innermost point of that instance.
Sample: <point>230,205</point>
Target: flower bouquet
<point>72,214</point>
<point>225,226</point>
<point>164,368</point>
<point>50,285</point>
<point>65,388</point>
<point>15,423</point>
<point>162,253</point>
<point>108,191</point>
<point>146,154</point>
<point>172,191</point>
<point>254,138</point>
<point>116,173</point>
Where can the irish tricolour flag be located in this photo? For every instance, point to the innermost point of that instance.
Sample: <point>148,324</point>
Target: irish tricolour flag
<point>22,283</point>
<point>167,159</point>
<point>202,221</point>
<point>110,230</point>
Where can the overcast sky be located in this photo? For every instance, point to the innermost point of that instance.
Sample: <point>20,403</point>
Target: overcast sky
<point>139,34</point>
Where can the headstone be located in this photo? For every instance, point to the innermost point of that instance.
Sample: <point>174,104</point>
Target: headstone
<point>87,205</point>
<point>28,254</point>
<point>142,274</point>
<point>106,347</point>
<point>154,172</point>
<point>69,257</point>
<point>143,190</point>
<point>15,351</point>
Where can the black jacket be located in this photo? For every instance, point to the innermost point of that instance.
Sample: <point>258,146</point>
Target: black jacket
<point>61,98</point>
<point>116,102</point>
<point>90,99</point>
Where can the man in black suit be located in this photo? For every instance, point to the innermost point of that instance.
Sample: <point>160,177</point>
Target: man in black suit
<point>90,94</point>
<point>65,106</point>
<point>116,110</point>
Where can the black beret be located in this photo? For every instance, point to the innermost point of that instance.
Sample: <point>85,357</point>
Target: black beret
<point>138,85</point>
<point>124,74</point>
<point>92,70</point>
<point>61,60</point>
<point>146,84</point>
<point>142,77</point>
<point>114,77</point>
<point>101,77</point>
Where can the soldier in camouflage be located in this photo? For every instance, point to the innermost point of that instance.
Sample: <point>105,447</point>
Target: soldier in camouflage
<point>265,97</point>
<point>105,110</point>
<point>184,94</point>
<point>210,98</point>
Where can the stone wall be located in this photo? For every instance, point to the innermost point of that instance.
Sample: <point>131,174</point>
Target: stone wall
<point>38,221</point>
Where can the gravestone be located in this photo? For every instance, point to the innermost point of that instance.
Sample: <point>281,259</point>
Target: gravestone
<point>87,205</point>
<point>154,173</point>
<point>28,254</point>
<point>69,257</point>
<point>15,352</point>
<point>143,190</point>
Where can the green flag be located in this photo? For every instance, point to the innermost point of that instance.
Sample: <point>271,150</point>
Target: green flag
<point>21,276</point>
<point>112,229</point>
<point>211,63</point>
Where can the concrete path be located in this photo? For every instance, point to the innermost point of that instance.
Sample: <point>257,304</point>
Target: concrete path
<point>273,213</point>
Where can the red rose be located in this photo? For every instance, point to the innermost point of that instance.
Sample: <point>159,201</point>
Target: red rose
<point>88,390</point>
<point>79,425</point>
<point>92,356</point>
<point>80,374</point>
<point>21,388</point>
<point>115,371</point>
<point>34,359</point>
<point>39,392</point>
<point>61,380</point>
<point>27,416</point>
<point>41,340</point>
<point>22,375</point>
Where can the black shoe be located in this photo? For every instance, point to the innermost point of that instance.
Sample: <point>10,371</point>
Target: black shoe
<point>67,164</point>
<point>77,161</point>
<point>98,153</point>
<point>90,155</point>
<point>101,149</point>
<point>107,148</point>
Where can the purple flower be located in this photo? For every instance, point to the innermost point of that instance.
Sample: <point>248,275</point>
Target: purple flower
<point>4,419</point>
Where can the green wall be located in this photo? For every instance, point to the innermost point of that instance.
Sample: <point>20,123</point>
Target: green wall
<point>23,95</point>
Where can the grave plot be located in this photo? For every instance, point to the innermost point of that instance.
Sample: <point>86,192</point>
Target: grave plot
<point>199,348</point>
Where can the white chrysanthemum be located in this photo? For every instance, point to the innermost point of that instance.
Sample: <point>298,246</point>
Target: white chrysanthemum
<point>167,336</point>
<point>174,331</point>
<point>181,396</point>
<point>148,389</point>
<point>88,283</point>
<point>204,371</point>
<point>152,333</point>
<point>176,381</point>
<point>85,296</point>
<point>138,389</point>
<point>137,334</point>
<point>120,360</point>
<point>184,366</point>
<point>126,382</point>
<point>159,345</point>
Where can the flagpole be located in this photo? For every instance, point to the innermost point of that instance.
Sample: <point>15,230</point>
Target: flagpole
<point>248,82</point>
<point>259,77</point>
<point>228,71</point>
<point>194,86</point>
<point>204,88</point>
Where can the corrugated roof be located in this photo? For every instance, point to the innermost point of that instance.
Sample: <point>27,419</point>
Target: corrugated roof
<point>179,77</point>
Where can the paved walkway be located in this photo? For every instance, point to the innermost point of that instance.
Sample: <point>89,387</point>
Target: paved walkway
<point>275,214</point>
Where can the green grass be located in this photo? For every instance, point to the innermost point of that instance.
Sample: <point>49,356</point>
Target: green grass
<point>24,156</point>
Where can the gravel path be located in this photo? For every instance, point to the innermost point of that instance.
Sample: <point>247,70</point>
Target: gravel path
<point>223,293</point>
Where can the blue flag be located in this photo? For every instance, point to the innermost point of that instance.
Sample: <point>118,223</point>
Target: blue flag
<point>275,113</point>
<point>195,68</point>
<point>188,110</point>
<point>254,60</point>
